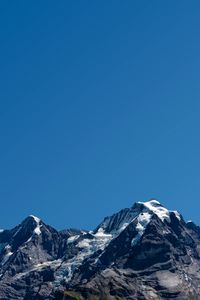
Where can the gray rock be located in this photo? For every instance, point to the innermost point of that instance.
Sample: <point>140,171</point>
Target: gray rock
<point>145,252</point>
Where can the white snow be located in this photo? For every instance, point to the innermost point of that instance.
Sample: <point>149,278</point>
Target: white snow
<point>37,220</point>
<point>159,210</point>
<point>85,244</point>
<point>87,247</point>
<point>1,230</point>
<point>177,215</point>
<point>7,255</point>
<point>124,225</point>
<point>38,226</point>
<point>101,239</point>
<point>37,230</point>
<point>54,264</point>
<point>98,241</point>
<point>143,220</point>
<point>71,239</point>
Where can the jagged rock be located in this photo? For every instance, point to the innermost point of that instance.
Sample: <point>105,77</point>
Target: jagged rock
<point>142,252</point>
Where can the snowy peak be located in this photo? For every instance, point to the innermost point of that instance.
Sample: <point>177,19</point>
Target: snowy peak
<point>162,213</point>
<point>144,239</point>
<point>30,221</point>
<point>20,235</point>
<point>38,224</point>
<point>156,208</point>
<point>29,227</point>
<point>118,222</point>
<point>36,219</point>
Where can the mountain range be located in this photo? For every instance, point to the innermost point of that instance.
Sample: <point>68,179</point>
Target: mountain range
<point>144,252</point>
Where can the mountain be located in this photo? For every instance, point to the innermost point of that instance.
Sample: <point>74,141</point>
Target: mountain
<point>142,252</point>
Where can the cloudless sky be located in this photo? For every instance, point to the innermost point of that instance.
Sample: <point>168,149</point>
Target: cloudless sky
<point>99,108</point>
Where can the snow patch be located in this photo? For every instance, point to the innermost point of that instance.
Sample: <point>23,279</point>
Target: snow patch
<point>7,255</point>
<point>177,214</point>
<point>72,239</point>
<point>38,226</point>
<point>87,247</point>
<point>123,227</point>
<point>37,267</point>
<point>37,230</point>
<point>142,222</point>
<point>158,209</point>
<point>100,239</point>
<point>37,220</point>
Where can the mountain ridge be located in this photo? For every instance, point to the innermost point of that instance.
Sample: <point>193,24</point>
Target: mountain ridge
<point>144,243</point>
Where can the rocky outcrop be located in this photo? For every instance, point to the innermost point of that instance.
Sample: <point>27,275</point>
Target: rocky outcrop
<point>144,252</point>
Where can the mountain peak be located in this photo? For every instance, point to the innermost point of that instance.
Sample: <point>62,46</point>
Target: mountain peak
<point>154,202</point>
<point>33,223</point>
<point>38,225</point>
<point>157,208</point>
<point>36,219</point>
<point>145,239</point>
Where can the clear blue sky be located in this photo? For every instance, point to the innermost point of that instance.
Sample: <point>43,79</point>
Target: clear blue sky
<point>99,108</point>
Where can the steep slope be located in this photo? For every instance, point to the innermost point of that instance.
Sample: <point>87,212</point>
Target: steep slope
<point>29,255</point>
<point>156,255</point>
<point>142,252</point>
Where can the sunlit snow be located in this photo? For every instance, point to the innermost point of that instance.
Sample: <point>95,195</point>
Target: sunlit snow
<point>143,220</point>
<point>37,229</point>
<point>159,210</point>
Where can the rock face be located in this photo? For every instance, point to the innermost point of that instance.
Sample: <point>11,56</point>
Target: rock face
<point>142,252</point>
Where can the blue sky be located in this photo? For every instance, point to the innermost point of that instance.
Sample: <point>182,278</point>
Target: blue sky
<point>99,108</point>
